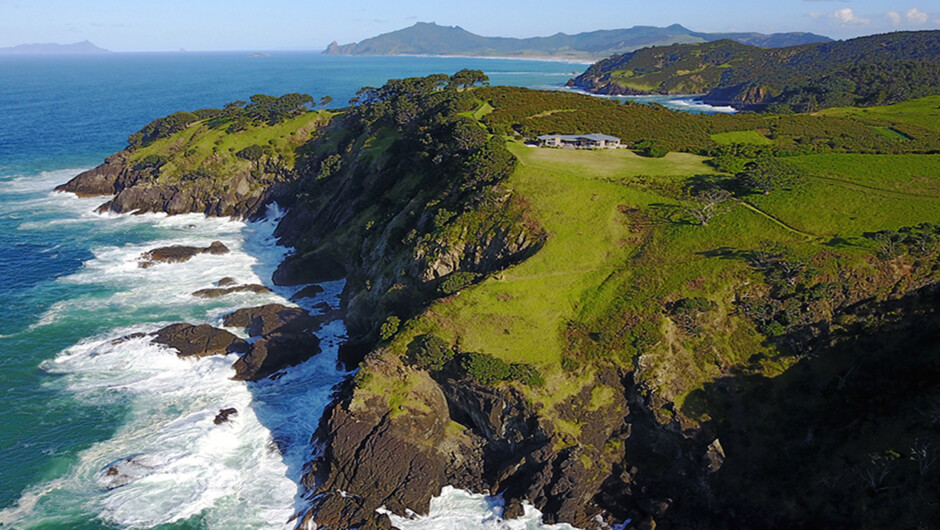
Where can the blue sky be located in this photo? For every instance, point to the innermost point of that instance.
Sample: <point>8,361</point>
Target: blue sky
<point>167,25</point>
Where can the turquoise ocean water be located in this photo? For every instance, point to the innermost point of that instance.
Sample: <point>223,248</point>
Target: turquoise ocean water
<point>74,399</point>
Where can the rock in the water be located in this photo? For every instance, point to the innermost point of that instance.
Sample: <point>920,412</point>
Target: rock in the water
<point>307,292</point>
<point>265,319</point>
<point>215,292</point>
<point>216,248</point>
<point>124,471</point>
<point>274,352</point>
<point>309,268</point>
<point>223,415</point>
<point>225,282</point>
<point>513,509</point>
<point>179,254</point>
<point>126,338</point>
<point>199,340</point>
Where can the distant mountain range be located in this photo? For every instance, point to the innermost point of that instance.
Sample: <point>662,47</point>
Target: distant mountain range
<point>83,47</point>
<point>428,38</point>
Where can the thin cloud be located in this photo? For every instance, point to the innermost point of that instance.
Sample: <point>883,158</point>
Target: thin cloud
<point>912,16</point>
<point>847,16</point>
<point>916,16</point>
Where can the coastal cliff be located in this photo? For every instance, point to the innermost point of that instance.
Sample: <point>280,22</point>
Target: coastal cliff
<point>560,328</point>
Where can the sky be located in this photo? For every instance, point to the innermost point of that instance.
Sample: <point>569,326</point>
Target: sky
<point>217,25</point>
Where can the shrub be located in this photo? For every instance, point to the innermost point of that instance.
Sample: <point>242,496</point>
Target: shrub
<point>569,364</point>
<point>526,374</point>
<point>389,327</point>
<point>252,152</point>
<point>151,162</point>
<point>429,352</point>
<point>687,312</point>
<point>651,149</point>
<point>457,281</point>
<point>486,369</point>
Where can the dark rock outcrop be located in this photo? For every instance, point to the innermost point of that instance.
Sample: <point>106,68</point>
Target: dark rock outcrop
<point>266,319</point>
<point>181,198</point>
<point>308,268</point>
<point>216,292</point>
<point>504,445</point>
<point>107,179</point>
<point>287,339</point>
<point>274,352</point>
<point>199,341</point>
<point>179,254</point>
<point>223,415</point>
<point>377,457</point>
<point>309,291</point>
<point>125,471</point>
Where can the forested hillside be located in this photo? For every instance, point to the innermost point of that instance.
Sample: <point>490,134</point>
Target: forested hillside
<point>873,70</point>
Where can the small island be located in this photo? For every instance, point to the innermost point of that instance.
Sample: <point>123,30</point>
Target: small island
<point>78,48</point>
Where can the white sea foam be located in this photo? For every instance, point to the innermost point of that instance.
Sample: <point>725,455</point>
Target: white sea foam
<point>456,509</point>
<point>46,180</point>
<point>694,103</point>
<point>242,473</point>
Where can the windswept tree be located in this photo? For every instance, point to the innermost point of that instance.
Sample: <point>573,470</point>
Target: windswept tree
<point>705,204</point>
<point>324,101</point>
<point>467,78</point>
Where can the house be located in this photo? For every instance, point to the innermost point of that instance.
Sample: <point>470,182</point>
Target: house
<point>579,141</point>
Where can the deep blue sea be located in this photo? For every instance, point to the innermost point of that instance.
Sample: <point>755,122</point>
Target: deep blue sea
<point>74,399</point>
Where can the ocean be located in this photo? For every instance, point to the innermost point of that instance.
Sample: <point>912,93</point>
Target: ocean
<point>75,399</point>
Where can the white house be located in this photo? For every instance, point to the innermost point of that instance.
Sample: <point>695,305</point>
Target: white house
<point>578,141</point>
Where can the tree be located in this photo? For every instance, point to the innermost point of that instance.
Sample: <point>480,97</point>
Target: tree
<point>706,204</point>
<point>467,78</point>
<point>767,173</point>
<point>324,101</point>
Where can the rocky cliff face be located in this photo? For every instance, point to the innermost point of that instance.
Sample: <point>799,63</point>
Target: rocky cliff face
<point>622,464</point>
<point>136,190</point>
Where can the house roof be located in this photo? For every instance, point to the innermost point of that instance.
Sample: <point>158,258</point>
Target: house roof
<point>597,137</point>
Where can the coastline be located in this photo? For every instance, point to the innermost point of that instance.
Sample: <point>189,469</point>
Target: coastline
<point>546,59</point>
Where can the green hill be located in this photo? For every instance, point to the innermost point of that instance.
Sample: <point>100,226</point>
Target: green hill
<point>874,70</point>
<point>733,321</point>
<point>431,39</point>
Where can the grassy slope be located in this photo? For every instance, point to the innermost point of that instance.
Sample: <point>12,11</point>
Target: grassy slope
<point>214,148</point>
<point>850,194</point>
<point>602,264</point>
<point>922,112</point>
